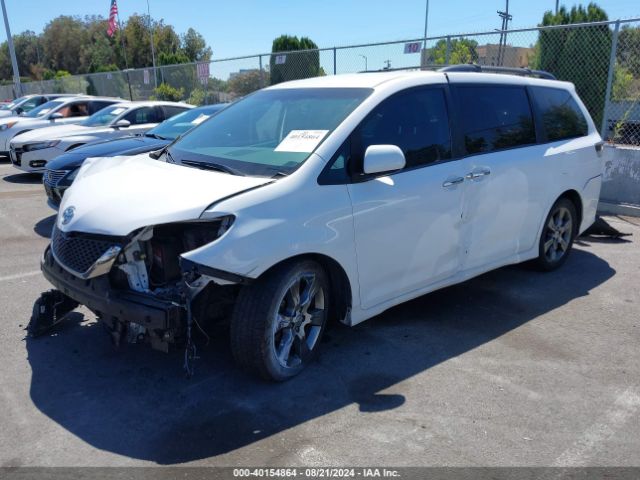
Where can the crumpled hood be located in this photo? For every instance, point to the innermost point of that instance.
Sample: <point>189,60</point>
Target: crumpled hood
<point>49,133</point>
<point>116,195</point>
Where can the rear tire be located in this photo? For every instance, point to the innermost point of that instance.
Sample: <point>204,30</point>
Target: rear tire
<point>559,230</point>
<point>278,321</point>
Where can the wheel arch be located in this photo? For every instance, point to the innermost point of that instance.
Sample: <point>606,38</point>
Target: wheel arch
<point>339,284</point>
<point>574,197</point>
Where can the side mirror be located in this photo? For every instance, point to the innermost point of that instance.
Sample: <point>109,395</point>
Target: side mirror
<point>19,110</point>
<point>383,158</point>
<point>56,116</point>
<point>122,124</point>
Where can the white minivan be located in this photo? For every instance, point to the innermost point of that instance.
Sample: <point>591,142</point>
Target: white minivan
<point>333,197</point>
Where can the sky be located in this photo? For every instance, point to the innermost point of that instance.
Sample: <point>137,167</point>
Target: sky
<point>243,27</point>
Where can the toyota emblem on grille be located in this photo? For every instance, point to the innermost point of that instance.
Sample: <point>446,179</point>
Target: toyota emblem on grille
<point>67,215</point>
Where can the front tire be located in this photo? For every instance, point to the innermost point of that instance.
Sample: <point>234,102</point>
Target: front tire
<point>278,321</point>
<point>559,231</point>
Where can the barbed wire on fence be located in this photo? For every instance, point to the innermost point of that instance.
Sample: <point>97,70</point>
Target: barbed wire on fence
<point>602,59</point>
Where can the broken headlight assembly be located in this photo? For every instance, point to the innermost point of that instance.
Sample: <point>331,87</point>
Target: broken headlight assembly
<point>159,248</point>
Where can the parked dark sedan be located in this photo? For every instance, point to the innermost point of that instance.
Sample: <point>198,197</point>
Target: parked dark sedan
<point>62,170</point>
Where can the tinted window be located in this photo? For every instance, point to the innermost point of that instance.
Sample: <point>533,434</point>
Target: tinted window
<point>416,121</point>
<point>561,115</point>
<point>96,106</point>
<point>171,111</point>
<point>143,115</point>
<point>495,117</point>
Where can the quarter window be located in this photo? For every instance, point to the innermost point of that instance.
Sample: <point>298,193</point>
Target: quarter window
<point>416,121</point>
<point>561,116</point>
<point>143,115</point>
<point>495,117</point>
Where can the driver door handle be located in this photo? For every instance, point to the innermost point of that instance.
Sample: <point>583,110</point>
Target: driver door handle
<point>453,181</point>
<point>476,174</point>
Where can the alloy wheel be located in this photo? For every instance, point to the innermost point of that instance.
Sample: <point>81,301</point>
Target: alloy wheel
<point>558,233</point>
<point>299,320</point>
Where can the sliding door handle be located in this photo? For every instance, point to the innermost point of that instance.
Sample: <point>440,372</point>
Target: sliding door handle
<point>476,174</point>
<point>453,181</point>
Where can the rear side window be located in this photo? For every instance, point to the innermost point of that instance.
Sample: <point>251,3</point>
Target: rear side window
<point>416,121</point>
<point>561,116</point>
<point>170,111</point>
<point>143,115</point>
<point>98,105</point>
<point>495,117</point>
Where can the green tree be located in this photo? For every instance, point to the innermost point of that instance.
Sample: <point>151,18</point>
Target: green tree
<point>461,50</point>
<point>246,82</point>
<point>168,93</point>
<point>622,84</point>
<point>628,49</point>
<point>304,63</point>
<point>195,47</point>
<point>63,42</point>
<point>579,55</point>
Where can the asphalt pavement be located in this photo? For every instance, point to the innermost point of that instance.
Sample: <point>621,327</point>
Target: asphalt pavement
<point>512,368</point>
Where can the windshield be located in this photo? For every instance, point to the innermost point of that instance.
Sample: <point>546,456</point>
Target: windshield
<point>270,132</point>
<point>175,126</point>
<point>14,103</point>
<point>44,109</point>
<point>104,116</point>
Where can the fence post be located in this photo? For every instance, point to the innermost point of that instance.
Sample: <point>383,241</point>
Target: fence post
<point>334,61</point>
<point>261,71</point>
<point>448,52</point>
<point>612,65</point>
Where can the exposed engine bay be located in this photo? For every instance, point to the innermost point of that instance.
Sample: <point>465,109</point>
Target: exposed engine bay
<point>147,271</point>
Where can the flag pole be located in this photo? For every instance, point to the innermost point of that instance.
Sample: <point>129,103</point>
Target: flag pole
<point>124,50</point>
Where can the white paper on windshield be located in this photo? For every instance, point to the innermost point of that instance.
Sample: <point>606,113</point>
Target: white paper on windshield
<point>201,118</point>
<point>117,111</point>
<point>301,141</point>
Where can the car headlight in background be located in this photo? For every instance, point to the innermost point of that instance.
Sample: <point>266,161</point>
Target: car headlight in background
<point>30,147</point>
<point>7,126</point>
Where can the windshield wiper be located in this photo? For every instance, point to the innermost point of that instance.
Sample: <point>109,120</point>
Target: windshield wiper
<point>279,174</point>
<point>155,135</point>
<point>213,166</point>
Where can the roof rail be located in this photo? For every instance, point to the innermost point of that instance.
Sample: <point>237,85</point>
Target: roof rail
<point>473,67</point>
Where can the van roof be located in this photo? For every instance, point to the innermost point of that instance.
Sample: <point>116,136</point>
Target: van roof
<point>377,79</point>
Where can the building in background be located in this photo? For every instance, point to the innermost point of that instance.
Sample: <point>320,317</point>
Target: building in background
<point>511,57</point>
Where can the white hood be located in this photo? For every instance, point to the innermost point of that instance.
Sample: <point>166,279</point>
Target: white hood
<point>49,133</point>
<point>116,195</point>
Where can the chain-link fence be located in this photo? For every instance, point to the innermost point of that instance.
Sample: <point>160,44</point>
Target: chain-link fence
<point>602,59</point>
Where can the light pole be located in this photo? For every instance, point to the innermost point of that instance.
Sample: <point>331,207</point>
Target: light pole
<point>12,53</point>
<point>366,67</point>
<point>153,51</point>
<point>426,22</point>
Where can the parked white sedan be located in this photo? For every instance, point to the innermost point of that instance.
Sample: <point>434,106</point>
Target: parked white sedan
<point>31,151</point>
<point>60,111</point>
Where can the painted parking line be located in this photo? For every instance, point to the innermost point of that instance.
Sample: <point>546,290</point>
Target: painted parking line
<point>624,408</point>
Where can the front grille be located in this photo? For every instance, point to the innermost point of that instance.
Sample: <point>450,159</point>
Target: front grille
<point>78,251</point>
<point>52,177</point>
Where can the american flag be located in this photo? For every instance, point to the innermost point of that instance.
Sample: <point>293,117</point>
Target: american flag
<point>113,18</point>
